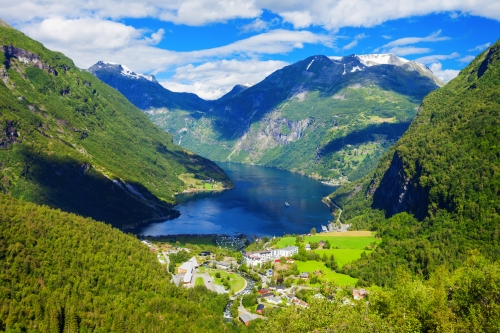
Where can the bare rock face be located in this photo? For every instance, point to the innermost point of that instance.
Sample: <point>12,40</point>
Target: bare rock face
<point>398,192</point>
<point>26,57</point>
<point>9,135</point>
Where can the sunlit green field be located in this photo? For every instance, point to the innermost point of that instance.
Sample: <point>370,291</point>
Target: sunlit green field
<point>328,275</point>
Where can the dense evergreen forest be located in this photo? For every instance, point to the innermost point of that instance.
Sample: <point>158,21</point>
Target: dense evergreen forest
<point>436,194</point>
<point>63,273</point>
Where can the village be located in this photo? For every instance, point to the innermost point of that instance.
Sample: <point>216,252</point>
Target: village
<point>293,270</point>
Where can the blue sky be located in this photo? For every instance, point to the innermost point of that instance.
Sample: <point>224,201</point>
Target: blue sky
<point>208,46</point>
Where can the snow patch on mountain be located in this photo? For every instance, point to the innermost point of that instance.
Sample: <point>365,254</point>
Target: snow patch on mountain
<point>381,59</point>
<point>309,65</point>
<point>125,71</point>
<point>355,69</point>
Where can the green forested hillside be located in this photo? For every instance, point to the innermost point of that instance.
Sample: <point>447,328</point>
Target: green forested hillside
<point>72,142</point>
<point>63,273</point>
<point>436,194</point>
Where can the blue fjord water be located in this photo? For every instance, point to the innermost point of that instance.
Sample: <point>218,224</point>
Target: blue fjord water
<point>256,206</point>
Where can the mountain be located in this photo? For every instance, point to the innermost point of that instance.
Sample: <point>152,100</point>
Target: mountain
<point>69,141</point>
<point>143,90</point>
<point>330,118</point>
<point>436,194</point>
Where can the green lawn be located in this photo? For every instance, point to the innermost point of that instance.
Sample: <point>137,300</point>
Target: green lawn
<point>199,282</point>
<point>348,242</point>
<point>236,284</point>
<point>343,256</point>
<point>328,275</point>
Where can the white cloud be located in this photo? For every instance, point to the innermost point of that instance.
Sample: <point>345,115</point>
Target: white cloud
<point>88,40</point>
<point>407,50</point>
<point>435,58</point>
<point>444,74</point>
<point>299,19</point>
<point>256,25</point>
<point>467,59</point>
<point>404,46</point>
<point>331,14</point>
<point>480,47</point>
<point>434,37</point>
<point>213,79</point>
<point>354,42</point>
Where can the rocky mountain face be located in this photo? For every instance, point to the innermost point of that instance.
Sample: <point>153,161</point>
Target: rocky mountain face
<point>69,141</point>
<point>330,118</point>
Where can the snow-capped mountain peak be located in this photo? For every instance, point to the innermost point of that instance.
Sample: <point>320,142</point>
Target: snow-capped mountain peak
<point>381,59</point>
<point>125,71</point>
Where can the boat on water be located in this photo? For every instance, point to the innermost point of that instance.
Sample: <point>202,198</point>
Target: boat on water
<point>287,204</point>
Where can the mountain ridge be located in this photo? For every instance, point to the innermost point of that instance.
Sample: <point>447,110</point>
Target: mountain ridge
<point>71,142</point>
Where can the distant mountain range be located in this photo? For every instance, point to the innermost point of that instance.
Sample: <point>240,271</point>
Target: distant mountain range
<point>326,117</point>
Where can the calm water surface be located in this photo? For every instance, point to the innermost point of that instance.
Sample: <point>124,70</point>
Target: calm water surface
<point>256,206</point>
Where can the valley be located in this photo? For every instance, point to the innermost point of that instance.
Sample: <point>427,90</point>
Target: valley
<point>108,223</point>
<point>330,119</point>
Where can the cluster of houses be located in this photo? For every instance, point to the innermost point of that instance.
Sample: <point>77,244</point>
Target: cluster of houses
<point>257,258</point>
<point>284,294</point>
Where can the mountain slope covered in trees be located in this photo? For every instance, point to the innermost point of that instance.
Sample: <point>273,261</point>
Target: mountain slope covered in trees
<point>72,142</point>
<point>325,117</point>
<point>65,273</point>
<point>436,194</point>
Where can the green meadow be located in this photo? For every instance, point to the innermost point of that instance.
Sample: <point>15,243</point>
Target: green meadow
<point>328,275</point>
<point>347,242</point>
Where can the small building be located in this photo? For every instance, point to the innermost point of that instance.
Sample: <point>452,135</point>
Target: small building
<point>274,300</point>
<point>263,291</point>
<point>223,265</point>
<point>187,277</point>
<point>194,262</point>
<point>260,308</point>
<point>304,275</point>
<point>308,247</point>
<point>321,244</point>
<point>185,267</point>
<point>269,272</point>
<point>245,318</point>
<point>204,254</point>
<point>358,294</point>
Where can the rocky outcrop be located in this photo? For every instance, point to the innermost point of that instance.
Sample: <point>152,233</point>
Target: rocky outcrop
<point>25,57</point>
<point>397,192</point>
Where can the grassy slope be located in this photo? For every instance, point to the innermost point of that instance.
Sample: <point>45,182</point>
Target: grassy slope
<point>72,134</point>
